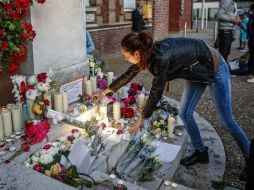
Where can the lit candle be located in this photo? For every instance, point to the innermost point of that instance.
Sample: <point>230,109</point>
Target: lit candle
<point>65,102</point>
<point>6,114</point>
<point>58,102</point>
<point>89,88</point>
<point>47,96</point>
<point>110,77</point>
<point>30,104</point>
<point>103,111</point>
<point>141,98</point>
<point>1,127</point>
<point>116,111</point>
<point>171,125</point>
<point>16,118</point>
<point>94,83</point>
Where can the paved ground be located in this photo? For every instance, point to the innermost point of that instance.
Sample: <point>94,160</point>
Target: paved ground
<point>242,100</point>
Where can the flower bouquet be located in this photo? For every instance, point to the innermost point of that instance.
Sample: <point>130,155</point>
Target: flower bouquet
<point>49,161</point>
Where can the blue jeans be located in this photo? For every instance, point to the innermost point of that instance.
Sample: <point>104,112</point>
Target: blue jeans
<point>221,95</point>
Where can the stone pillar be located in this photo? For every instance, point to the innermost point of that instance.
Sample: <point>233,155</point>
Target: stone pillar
<point>60,40</point>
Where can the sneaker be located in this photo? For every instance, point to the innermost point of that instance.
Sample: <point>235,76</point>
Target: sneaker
<point>251,80</point>
<point>242,50</point>
<point>196,157</point>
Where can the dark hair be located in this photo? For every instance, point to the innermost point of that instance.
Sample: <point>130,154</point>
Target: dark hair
<point>142,42</point>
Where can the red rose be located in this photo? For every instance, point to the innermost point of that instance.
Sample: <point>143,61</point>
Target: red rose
<point>37,168</point>
<point>74,130</point>
<point>46,102</point>
<point>71,138</point>
<point>42,77</point>
<point>26,148</point>
<point>4,45</point>
<point>134,86</point>
<point>127,112</point>
<point>119,132</point>
<point>13,68</point>
<point>103,126</point>
<point>23,88</point>
<point>47,146</point>
<point>41,1</point>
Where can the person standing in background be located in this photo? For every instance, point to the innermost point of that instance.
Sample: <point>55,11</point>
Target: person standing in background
<point>243,34</point>
<point>90,48</point>
<point>228,19</point>
<point>137,18</point>
<point>250,32</point>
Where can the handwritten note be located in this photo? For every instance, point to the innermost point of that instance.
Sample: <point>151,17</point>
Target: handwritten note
<point>73,89</point>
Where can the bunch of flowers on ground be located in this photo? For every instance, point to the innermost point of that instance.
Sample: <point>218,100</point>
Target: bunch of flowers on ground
<point>15,33</point>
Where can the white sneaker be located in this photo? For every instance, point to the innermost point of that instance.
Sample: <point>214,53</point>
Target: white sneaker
<point>250,80</point>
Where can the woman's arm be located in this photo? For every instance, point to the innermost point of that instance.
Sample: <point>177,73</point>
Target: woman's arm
<point>125,78</point>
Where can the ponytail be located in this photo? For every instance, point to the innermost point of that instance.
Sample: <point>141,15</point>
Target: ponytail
<point>142,42</point>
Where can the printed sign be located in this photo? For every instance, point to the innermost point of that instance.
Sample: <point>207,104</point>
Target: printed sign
<point>73,89</point>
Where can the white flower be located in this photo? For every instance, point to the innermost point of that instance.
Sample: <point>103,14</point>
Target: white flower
<point>43,87</point>
<point>63,139</point>
<point>46,158</point>
<point>27,164</point>
<point>42,151</point>
<point>48,80</point>
<point>35,158</point>
<point>32,80</point>
<point>76,135</point>
<point>53,151</point>
<point>31,94</point>
<point>56,144</point>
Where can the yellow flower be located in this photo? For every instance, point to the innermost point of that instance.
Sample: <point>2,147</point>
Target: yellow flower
<point>54,170</point>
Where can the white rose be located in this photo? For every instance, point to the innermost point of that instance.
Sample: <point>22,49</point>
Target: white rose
<point>32,80</point>
<point>46,158</point>
<point>63,139</point>
<point>35,159</point>
<point>27,164</point>
<point>42,151</point>
<point>76,135</point>
<point>55,144</point>
<point>43,87</point>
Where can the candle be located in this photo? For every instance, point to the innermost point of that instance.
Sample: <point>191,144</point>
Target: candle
<point>65,102</point>
<point>103,111</point>
<point>141,98</point>
<point>110,77</point>
<point>21,115</point>
<point>6,114</point>
<point>47,96</point>
<point>116,111</point>
<point>9,106</point>
<point>84,84</point>
<point>1,127</point>
<point>16,118</point>
<point>171,125</point>
<point>30,104</point>
<point>58,102</point>
<point>94,83</point>
<point>89,88</point>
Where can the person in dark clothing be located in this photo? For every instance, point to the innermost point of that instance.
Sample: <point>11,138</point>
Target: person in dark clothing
<point>137,18</point>
<point>228,19</point>
<point>190,59</point>
<point>250,32</point>
<point>250,169</point>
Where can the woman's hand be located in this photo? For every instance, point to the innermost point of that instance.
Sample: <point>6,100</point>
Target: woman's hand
<point>137,126</point>
<point>97,97</point>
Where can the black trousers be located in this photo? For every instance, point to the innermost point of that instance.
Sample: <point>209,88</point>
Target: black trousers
<point>249,185</point>
<point>225,39</point>
<point>251,58</point>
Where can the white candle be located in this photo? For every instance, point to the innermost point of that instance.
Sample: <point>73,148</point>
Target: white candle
<point>84,84</point>
<point>110,77</point>
<point>94,83</point>
<point>116,111</point>
<point>9,106</point>
<point>65,102</point>
<point>103,111</point>
<point>30,104</point>
<point>171,125</point>
<point>1,127</point>
<point>47,96</point>
<point>58,102</point>
<point>141,98</point>
<point>16,118</point>
<point>6,114</point>
<point>21,113</point>
<point>89,89</point>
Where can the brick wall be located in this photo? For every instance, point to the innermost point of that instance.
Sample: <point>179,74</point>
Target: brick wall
<point>187,17</point>
<point>109,40</point>
<point>161,18</point>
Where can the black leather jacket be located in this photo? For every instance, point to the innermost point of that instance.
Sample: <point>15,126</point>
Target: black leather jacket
<point>172,58</point>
